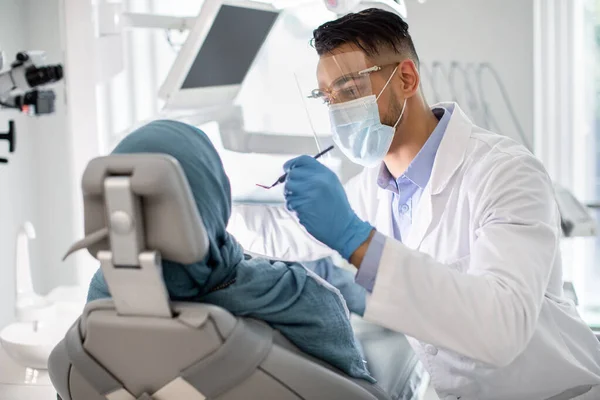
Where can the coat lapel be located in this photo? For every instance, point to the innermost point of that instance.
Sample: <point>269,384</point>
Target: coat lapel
<point>449,158</point>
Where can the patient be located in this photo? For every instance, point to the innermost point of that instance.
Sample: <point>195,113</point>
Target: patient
<point>288,296</point>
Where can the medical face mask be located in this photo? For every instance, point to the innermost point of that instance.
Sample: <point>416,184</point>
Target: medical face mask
<point>358,131</point>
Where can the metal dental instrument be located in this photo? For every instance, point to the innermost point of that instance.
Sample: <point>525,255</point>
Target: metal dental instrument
<point>282,177</point>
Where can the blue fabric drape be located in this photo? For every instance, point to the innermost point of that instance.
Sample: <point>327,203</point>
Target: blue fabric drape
<point>307,310</point>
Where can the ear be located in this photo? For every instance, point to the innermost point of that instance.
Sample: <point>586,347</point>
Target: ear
<point>409,75</point>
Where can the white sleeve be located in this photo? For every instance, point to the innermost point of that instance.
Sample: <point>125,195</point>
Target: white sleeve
<point>490,313</point>
<point>275,232</point>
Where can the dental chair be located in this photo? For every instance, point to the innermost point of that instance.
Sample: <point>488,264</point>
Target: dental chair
<point>141,346</point>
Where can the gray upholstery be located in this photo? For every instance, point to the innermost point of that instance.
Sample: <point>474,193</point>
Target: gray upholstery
<point>122,349</point>
<point>147,353</point>
<point>60,371</point>
<point>172,223</point>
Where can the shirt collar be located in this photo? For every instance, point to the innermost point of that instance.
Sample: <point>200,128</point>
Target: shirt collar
<point>419,170</point>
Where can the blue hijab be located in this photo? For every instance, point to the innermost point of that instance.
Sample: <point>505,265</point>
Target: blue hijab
<point>289,297</point>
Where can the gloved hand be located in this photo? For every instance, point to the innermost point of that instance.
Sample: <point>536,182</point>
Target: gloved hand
<point>317,196</point>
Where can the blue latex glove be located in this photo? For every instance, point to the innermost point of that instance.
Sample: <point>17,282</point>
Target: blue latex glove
<point>317,196</point>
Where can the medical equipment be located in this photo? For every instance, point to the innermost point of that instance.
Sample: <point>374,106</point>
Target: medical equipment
<point>26,73</point>
<point>476,100</point>
<point>440,80</point>
<point>206,75</point>
<point>281,179</point>
<point>18,89</point>
<point>576,220</point>
<point>342,7</point>
<point>487,108</point>
<point>247,125</point>
<point>29,306</point>
<point>22,346</point>
<point>34,102</point>
<point>10,137</point>
<point>205,80</point>
<point>180,350</point>
<point>357,127</point>
<point>29,340</point>
<point>347,102</point>
<point>471,98</point>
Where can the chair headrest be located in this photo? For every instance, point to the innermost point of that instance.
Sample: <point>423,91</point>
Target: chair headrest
<point>171,222</point>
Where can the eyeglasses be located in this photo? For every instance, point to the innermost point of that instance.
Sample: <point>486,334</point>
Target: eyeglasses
<point>348,87</point>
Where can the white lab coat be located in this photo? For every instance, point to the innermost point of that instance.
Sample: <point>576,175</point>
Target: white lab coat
<point>477,284</point>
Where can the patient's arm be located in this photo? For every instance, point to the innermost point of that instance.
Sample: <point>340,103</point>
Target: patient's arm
<point>305,309</point>
<point>343,280</point>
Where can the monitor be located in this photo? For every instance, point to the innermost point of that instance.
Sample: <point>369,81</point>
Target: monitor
<point>218,53</point>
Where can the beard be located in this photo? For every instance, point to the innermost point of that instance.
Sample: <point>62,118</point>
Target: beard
<point>394,111</point>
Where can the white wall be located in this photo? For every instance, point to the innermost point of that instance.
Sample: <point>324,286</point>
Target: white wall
<point>83,140</point>
<point>17,178</point>
<point>474,31</point>
<point>52,150</point>
<point>36,185</point>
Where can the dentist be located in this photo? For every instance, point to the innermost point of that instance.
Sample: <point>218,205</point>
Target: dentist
<point>454,230</point>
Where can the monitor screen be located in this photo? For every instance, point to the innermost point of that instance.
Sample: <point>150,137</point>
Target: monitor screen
<point>230,47</point>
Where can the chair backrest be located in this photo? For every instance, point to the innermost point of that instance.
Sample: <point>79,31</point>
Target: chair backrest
<point>139,344</point>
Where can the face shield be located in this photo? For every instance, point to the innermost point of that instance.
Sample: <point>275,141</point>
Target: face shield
<point>344,91</point>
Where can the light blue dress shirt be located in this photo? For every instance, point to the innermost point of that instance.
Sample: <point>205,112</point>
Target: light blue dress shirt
<point>407,191</point>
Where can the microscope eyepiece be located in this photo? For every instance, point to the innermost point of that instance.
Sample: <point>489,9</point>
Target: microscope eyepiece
<point>37,76</point>
<point>22,56</point>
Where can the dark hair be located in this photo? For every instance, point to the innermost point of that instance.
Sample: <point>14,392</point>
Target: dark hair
<point>369,30</point>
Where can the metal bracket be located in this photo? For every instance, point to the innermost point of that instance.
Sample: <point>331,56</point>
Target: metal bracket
<point>125,221</point>
<point>137,291</point>
<point>155,21</point>
<point>134,275</point>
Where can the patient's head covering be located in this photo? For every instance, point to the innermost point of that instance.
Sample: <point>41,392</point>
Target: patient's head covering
<point>307,310</point>
<point>212,193</point>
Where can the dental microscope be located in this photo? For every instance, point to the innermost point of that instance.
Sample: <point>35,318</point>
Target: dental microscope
<point>19,89</point>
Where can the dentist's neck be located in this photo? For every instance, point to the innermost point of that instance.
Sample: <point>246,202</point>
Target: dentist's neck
<point>418,122</point>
